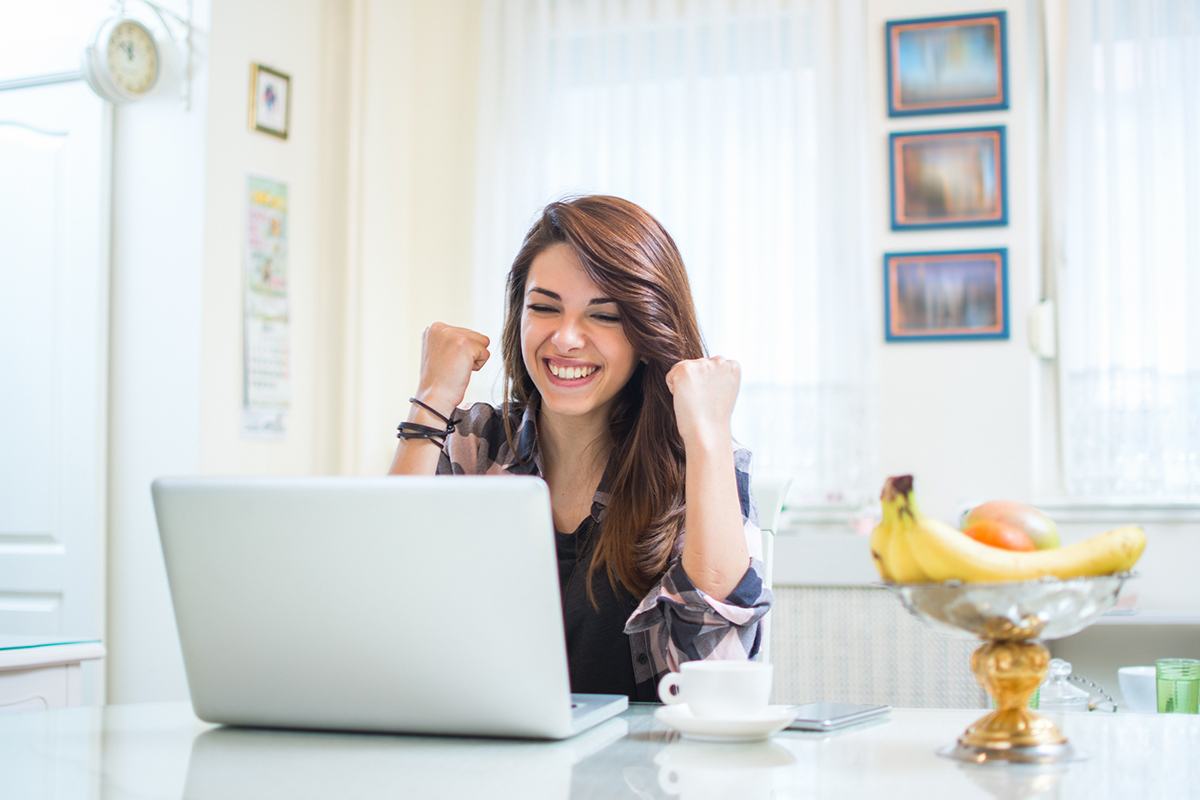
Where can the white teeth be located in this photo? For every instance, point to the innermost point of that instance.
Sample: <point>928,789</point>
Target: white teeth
<point>571,373</point>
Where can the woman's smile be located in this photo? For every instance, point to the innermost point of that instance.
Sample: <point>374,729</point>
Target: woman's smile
<point>570,374</point>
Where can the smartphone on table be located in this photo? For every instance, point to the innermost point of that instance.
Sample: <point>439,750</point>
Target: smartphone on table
<point>833,716</point>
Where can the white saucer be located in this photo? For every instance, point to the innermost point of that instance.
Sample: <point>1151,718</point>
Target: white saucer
<point>755,728</point>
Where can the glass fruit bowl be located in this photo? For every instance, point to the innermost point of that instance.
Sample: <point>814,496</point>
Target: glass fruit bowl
<point>1012,619</point>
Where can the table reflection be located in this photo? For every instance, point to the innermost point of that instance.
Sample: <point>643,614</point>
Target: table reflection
<point>248,763</point>
<point>1027,781</point>
<point>695,770</point>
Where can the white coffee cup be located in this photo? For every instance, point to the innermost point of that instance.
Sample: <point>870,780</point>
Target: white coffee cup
<point>1139,687</point>
<point>719,689</point>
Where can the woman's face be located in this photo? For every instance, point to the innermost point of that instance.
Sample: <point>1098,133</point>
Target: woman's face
<point>572,338</point>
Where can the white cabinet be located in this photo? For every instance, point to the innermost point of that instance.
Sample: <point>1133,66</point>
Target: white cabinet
<point>37,673</point>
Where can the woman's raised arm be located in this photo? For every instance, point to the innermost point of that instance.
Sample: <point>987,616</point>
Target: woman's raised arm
<point>715,556</point>
<point>448,357</point>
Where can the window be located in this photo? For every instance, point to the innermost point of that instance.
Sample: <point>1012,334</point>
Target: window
<point>739,126</point>
<point>1129,238</point>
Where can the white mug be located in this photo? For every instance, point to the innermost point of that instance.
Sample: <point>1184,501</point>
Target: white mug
<point>1139,687</point>
<point>719,689</point>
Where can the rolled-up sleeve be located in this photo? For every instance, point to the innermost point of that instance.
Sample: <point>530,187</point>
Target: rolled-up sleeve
<point>677,622</point>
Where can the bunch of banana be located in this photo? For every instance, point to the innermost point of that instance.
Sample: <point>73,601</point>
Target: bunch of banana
<point>910,548</point>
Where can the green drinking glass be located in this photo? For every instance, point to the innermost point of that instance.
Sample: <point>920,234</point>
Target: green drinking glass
<point>1178,685</point>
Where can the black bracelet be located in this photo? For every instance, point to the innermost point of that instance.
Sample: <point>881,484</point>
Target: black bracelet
<point>415,430</point>
<point>436,413</point>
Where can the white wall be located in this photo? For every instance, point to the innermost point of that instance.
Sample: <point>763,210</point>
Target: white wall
<point>413,188</point>
<point>959,415</point>
<point>178,210</point>
<point>154,374</point>
<point>306,41</point>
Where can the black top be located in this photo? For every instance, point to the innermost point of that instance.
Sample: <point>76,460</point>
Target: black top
<point>677,622</point>
<point>598,656</point>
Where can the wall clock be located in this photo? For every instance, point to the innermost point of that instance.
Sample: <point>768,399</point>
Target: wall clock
<point>123,62</point>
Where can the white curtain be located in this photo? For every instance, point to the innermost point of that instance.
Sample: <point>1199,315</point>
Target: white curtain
<point>1129,276</point>
<point>737,123</point>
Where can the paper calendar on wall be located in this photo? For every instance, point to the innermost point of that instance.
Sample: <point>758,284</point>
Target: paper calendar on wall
<point>266,382</point>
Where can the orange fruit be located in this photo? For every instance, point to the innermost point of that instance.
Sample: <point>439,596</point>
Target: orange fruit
<point>997,534</point>
<point>1041,528</point>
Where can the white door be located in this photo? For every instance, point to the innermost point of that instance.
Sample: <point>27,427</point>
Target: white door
<point>54,198</point>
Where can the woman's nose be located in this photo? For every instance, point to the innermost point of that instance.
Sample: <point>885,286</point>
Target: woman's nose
<point>567,336</point>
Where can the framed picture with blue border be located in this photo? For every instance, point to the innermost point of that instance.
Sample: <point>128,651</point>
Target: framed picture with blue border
<point>952,178</point>
<point>945,294</point>
<point>946,65</point>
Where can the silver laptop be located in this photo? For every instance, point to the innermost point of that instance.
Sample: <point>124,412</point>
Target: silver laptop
<point>401,604</point>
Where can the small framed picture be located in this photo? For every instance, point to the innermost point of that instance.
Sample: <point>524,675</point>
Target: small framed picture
<point>949,294</point>
<point>270,101</point>
<point>942,65</point>
<point>948,178</point>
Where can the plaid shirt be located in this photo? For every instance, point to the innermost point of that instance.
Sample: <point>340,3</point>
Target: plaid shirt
<point>675,622</point>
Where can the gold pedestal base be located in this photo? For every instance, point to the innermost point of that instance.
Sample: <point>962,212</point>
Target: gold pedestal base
<point>1011,671</point>
<point>1042,754</point>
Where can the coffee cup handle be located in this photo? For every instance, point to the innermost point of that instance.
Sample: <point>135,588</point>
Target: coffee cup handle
<point>670,691</point>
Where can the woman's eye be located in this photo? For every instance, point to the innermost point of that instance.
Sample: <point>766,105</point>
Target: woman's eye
<point>539,308</point>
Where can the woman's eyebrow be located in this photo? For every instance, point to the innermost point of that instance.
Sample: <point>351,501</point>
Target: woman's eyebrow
<point>595,301</point>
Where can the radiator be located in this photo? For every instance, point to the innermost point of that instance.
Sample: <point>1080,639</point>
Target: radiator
<point>858,644</point>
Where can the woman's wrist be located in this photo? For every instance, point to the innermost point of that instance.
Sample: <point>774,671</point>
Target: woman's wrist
<point>422,416</point>
<point>708,440</point>
<point>426,408</point>
<point>439,401</point>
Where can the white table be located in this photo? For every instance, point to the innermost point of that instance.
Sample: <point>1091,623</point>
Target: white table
<point>39,673</point>
<point>163,751</point>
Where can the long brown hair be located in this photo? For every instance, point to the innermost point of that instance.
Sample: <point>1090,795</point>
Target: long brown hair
<point>633,259</point>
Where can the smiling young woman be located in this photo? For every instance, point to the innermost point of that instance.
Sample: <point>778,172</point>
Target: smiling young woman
<point>610,398</point>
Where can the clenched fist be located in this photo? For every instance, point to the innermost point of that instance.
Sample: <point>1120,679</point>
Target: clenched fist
<point>704,391</point>
<point>448,357</point>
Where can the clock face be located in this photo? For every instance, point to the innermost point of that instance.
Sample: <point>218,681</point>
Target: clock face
<point>132,58</point>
